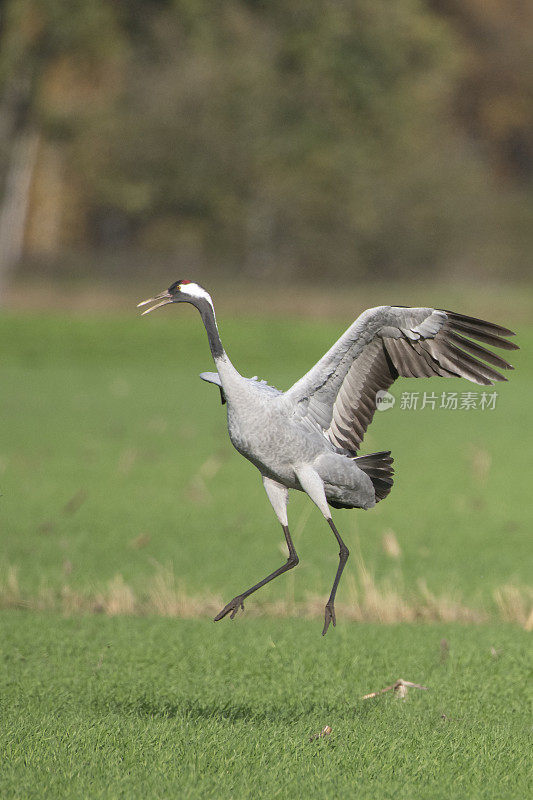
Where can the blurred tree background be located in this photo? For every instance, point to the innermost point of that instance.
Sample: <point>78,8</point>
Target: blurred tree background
<point>340,138</point>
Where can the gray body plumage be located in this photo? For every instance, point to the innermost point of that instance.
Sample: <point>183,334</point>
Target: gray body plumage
<point>308,437</point>
<point>269,429</point>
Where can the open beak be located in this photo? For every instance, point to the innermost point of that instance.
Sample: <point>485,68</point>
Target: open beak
<point>164,299</point>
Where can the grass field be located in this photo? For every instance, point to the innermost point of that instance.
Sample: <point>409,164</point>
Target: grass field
<point>121,494</point>
<point>115,461</point>
<point>105,708</point>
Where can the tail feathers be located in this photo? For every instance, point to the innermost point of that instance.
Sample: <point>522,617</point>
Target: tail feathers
<point>378,467</point>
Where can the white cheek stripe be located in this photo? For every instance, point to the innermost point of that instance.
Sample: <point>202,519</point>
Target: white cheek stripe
<point>194,290</point>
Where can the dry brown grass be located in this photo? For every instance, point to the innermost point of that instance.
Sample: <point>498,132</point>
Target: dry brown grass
<point>301,299</point>
<point>515,605</point>
<point>369,601</point>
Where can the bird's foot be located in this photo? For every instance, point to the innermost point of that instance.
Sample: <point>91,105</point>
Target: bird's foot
<point>329,616</point>
<point>231,608</point>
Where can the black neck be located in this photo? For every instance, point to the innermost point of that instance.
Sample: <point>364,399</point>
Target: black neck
<point>208,318</point>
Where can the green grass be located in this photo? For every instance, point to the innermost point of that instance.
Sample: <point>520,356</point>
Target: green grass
<point>110,413</point>
<point>115,461</point>
<point>104,708</point>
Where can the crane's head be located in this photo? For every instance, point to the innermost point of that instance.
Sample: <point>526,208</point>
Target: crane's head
<point>181,291</point>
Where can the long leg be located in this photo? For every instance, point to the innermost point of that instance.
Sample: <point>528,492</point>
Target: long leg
<point>312,484</point>
<point>343,558</point>
<point>277,494</point>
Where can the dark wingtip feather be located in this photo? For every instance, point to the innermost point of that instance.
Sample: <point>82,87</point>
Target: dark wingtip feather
<point>482,370</point>
<point>480,352</point>
<point>488,332</point>
<point>499,330</point>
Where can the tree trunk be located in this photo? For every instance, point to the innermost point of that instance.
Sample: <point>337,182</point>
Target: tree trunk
<point>14,203</point>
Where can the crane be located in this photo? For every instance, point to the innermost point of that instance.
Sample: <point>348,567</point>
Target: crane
<point>308,437</point>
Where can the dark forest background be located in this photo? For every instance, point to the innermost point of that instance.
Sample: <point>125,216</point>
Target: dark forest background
<point>336,138</point>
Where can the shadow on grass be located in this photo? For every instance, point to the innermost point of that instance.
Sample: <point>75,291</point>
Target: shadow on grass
<point>195,710</point>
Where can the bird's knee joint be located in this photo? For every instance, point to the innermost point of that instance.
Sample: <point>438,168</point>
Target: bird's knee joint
<point>293,560</point>
<point>344,553</point>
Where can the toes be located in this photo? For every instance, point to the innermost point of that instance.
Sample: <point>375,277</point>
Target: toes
<point>238,604</point>
<point>329,616</point>
<point>221,614</point>
<point>224,612</point>
<point>231,609</point>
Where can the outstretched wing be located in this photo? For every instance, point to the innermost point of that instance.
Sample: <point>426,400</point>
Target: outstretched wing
<point>339,392</point>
